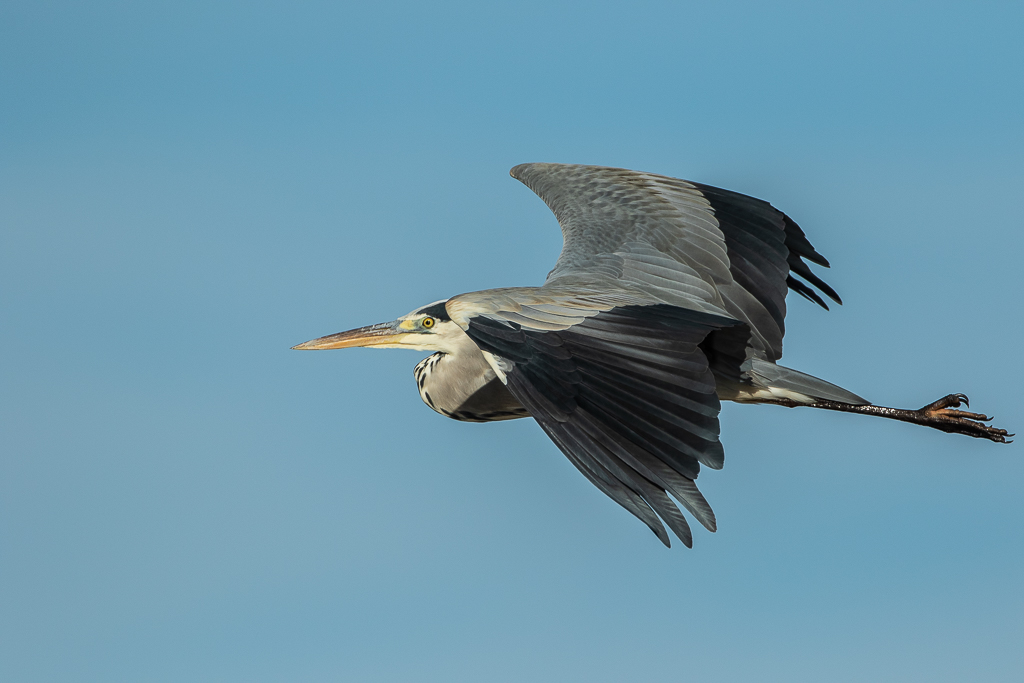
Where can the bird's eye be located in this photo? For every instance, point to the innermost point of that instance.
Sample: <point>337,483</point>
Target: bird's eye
<point>427,323</point>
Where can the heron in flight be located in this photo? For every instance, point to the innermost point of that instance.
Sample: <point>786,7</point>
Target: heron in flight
<point>668,297</point>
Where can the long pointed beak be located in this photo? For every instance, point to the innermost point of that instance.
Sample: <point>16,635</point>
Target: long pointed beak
<point>381,334</point>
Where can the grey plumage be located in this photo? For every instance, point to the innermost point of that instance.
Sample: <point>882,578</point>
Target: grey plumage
<point>466,390</point>
<point>668,296</point>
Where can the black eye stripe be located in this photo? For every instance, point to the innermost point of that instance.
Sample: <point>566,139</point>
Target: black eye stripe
<point>438,312</point>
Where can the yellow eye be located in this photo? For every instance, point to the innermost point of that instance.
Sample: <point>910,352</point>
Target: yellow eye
<point>427,323</point>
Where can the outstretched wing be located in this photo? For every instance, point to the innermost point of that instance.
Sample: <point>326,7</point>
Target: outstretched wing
<point>611,354</point>
<point>624,390</point>
<point>679,243</point>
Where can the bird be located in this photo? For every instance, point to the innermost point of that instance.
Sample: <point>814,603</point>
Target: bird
<point>668,297</point>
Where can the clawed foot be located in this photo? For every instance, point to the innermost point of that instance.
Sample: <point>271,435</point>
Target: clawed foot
<point>941,416</point>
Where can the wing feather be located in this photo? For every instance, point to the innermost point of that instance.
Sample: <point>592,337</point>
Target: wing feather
<point>606,481</point>
<point>626,394</point>
<point>680,243</point>
<point>683,488</point>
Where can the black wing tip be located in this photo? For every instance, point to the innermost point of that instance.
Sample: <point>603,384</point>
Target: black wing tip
<point>800,248</point>
<point>797,242</point>
<point>806,292</point>
<point>796,265</point>
<point>824,287</point>
<point>707,519</point>
<point>660,532</point>
<point>666,540</point>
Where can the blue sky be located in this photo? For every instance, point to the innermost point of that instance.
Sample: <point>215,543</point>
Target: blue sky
<point>188,189</point>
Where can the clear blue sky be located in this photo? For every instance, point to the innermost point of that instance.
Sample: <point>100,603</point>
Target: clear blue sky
<point>188,189</point>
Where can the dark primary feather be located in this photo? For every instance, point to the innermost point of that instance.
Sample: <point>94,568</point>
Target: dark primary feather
<point>766,250</point>
<point>627,395</point>
<point>777,236</point>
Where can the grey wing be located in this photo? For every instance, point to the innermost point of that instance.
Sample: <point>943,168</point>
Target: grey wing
<point>679,243</point>
<point>626,393</point>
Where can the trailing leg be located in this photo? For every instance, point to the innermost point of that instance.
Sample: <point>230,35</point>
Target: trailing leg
<point>939,415</point>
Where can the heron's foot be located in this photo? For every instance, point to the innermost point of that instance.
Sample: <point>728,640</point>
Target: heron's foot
<point>942,415</point>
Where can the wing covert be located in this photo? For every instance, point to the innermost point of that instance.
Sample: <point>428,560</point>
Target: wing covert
<point>680,243</point>
<point>652,234</point>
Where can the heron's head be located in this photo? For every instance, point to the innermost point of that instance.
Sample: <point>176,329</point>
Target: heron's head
<point>428,328</point>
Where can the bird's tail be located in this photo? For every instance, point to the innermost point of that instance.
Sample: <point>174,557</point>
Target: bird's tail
<point>782,381</point>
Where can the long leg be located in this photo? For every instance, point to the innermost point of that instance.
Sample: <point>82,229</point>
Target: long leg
<point>938,415</point>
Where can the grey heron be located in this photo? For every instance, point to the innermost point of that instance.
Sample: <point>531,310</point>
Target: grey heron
<point>668,297</point>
